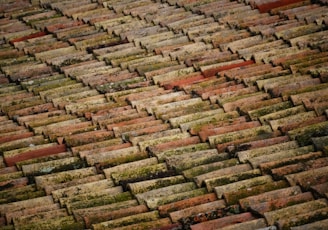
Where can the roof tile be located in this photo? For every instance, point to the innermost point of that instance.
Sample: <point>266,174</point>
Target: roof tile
<point>105,197</point>
<point>30,211</point>
<point>115,157</point>
<point>210,178</point>
<point>317,224</point>
<point>51,214</point>
<point>176,216</point>
<point>189,160</point>
<point>233,197</point>
<point>302,219</point>
<point>114,214</point>
<point>74,46</point>
<point>180,150</point>
<point>314,176</point>
<point>25,204</point>
<point>240,185</point>
<point>129,220</point>
<point>257,161</point>
<point>297,209</point>
<point>173,209</point>
<point>223,222</point>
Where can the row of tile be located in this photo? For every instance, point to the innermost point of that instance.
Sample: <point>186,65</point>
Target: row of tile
<point>164,107</point>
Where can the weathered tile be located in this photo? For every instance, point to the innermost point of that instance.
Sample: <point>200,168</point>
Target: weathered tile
<point>295,210</point>
<point>240,185</point>
<point>23,143</point>
<point>142,172</point>
<point>302,134</point>
<point>114,214</point>
<point>231,136</point>
<point>269,196</point>
<point>196,209</point>
<point>210,176</point>
<point>51,166</point>
<point>317,224</point>
<point>298,118</point>
<point>171,208</point>
<point>224,221</point>
<point>129,220</point>
<point>58,222</point>
<point>90,199</point>
<point>184,119</point>
<point>256,161</point>
<point>308,178</point>
<point>281,202</point>
<point>169,194</point>
<point>162,155</point>
<point>25,204</point>
<point>291,169</point>
<point>25,220</point>
<point>228,127</point>
<point>248,225</point>
<point>149,224</point>
<point>29,211</point>
<point>233,197</point>
<point>268,166</point>
<point>62,177</point>
<point>146,141</point>
<point>189,160</point>
<point>281,113</point>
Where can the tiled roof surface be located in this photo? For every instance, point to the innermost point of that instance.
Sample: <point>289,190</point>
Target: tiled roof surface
<point>171,114</point>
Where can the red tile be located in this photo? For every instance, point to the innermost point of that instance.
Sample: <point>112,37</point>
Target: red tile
<point>222,222</point>
<point>268,166</point>
<point>8,138</point>
<point>221,89</point>
<point>228,128</point>
<point>232,144</point>
<point>88,137</point>
<point>286,128</point>
<point>205,130</point>
<point>267,206</point>
<point>164,210</point>
<point>214,71</point>
<point>55,27</point>
<point>11,161</point>
<point>267,5</point>
<point>181,83</point>
<point>35,35</point>
<point>316,174</point>
<point>85,153</point>
<point>173,144</point>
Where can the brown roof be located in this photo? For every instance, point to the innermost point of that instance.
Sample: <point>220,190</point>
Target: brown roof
<point>172,114</point>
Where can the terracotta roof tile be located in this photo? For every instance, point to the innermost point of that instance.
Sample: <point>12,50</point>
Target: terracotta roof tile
<point>104,197</point>
<point>143,218</point>
<point>257,161</point>
<point>300,219</point>
<point>60,222</point>
<point>180,150</point>
<point>31,211</point>
<point>320,223</point>
<point>116,61</point>
<point>224,221</point>
<point>25,204</point>
<point>196,209</point>
<point>297,209</point>
<point>46,181</point>
<point>115,214</point>
<point>21,221</point>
